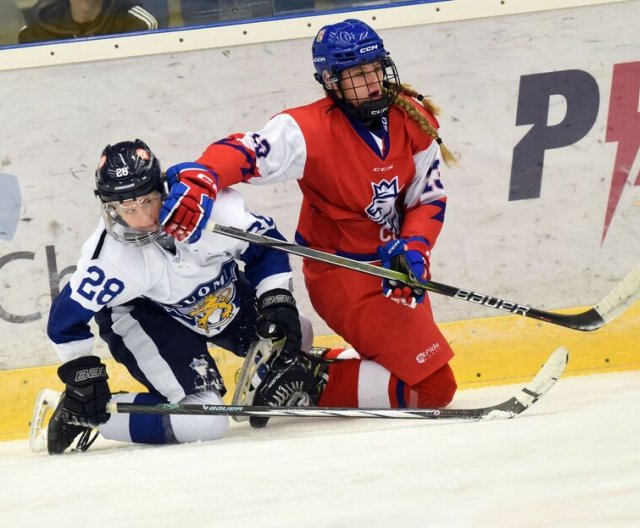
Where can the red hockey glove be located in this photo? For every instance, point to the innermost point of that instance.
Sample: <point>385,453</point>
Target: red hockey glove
<point>410,256</point>
<point>192,191</point>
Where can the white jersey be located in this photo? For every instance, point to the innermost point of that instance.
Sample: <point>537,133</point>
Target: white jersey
<point>197,285</point>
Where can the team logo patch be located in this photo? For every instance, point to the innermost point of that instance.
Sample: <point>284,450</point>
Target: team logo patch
<point>142,154</point>
<point>207,378</point>
<point>383,209</point>
<point>214,310</point>
<point>211,305</point>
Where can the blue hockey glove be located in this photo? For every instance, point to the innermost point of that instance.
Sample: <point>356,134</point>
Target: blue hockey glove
<point>410,256</point>
<point>192,190</point>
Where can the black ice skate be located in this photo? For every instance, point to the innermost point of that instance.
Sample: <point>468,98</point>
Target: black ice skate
<point>297,384</point>
<point>60,434</point>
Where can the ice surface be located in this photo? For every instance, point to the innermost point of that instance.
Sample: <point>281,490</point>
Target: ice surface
<point>571,460</point>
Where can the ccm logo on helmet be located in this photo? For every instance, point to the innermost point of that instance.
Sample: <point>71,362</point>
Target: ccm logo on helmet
<point>369,48</point>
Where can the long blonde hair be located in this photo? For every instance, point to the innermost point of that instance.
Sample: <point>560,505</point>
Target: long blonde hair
<point>403,102</point>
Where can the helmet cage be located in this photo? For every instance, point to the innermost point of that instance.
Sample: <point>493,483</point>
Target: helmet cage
<point>368,109</point>
<point>118,227</point>
<point>128,171</point>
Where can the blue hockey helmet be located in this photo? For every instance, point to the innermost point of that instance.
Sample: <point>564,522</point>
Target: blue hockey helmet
<point>345,45</point>
<point>339,47</point>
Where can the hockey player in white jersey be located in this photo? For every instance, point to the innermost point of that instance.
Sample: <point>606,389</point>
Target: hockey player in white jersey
<point>157,303</point>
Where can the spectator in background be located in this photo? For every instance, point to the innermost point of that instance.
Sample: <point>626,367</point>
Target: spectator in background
<point>68,19</point>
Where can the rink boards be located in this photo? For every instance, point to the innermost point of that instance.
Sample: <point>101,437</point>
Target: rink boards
<point>490,351</point>
<point>544,209</point>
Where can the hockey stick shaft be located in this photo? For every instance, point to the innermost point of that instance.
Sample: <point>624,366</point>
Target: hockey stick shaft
<point>624,295</point>
<point>300,412</point>
<point>522,400</point>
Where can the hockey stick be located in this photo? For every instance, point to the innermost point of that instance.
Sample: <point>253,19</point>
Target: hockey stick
<point>522,400</point>
<point>626,293</point>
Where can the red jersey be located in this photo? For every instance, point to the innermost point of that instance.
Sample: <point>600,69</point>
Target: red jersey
<point>361,187</point>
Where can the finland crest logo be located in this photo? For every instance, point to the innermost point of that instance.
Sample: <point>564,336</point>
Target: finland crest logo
<point>211,305</point>
<point>383,209</point>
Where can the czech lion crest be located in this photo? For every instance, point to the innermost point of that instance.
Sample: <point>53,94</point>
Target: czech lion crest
<point>383,209</point>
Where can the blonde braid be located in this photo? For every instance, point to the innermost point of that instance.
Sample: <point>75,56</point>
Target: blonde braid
<point>448,157</point>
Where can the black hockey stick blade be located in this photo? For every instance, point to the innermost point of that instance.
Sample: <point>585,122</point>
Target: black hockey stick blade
<point>522,400</point>
<point>626,293</point>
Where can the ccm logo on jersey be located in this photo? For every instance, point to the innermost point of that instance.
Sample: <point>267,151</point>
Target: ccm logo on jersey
<point>368,48</point>
<point>95,372</point>
<point>492,302</point>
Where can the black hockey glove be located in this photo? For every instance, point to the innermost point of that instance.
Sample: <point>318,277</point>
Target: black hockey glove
<point>87,391</point>
<point>277,319</point>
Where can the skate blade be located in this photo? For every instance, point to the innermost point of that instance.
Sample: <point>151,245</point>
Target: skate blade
<point>46,402</point>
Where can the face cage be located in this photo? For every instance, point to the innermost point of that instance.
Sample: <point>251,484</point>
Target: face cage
<point>368,110</point>
<point>118,228</point>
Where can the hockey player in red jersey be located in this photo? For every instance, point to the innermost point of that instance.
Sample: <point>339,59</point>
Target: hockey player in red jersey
<point>367,157</point>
